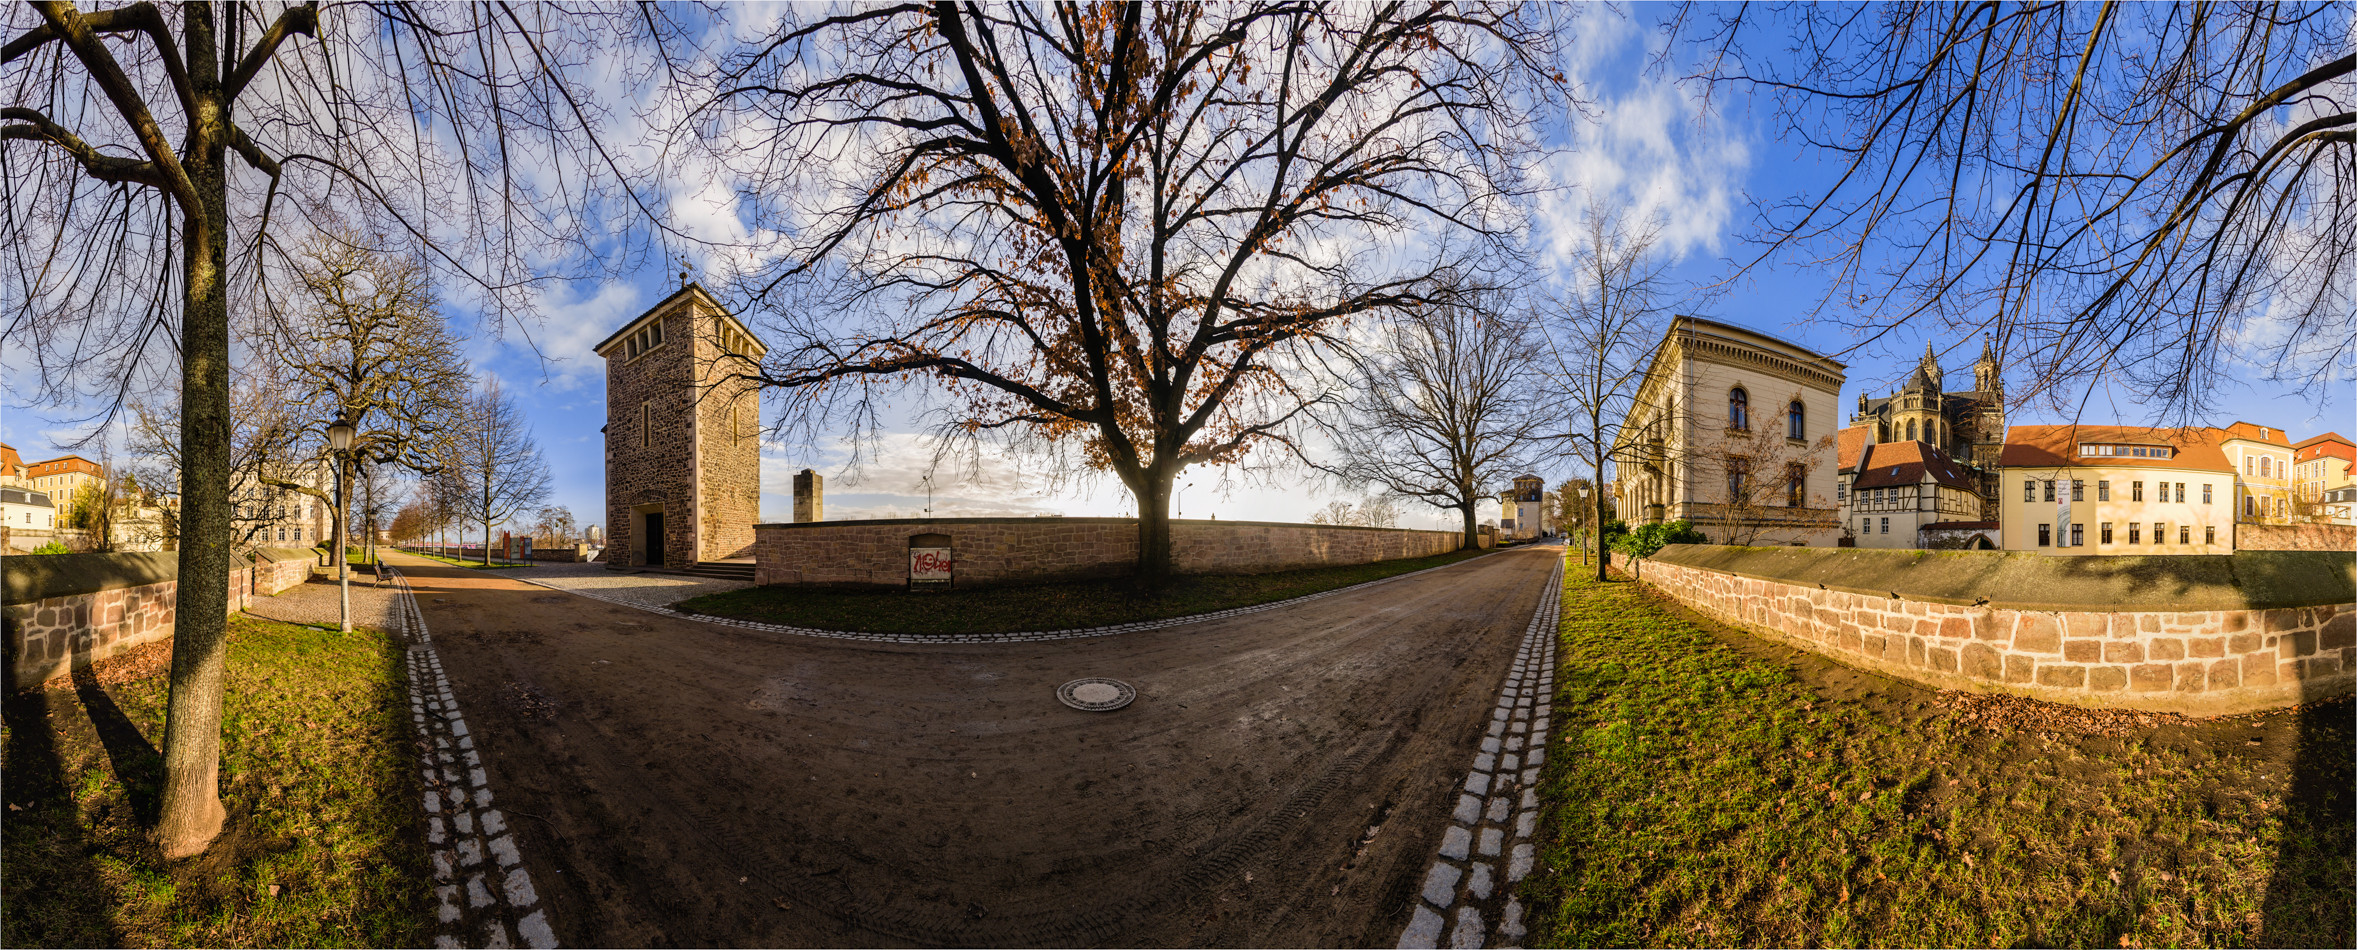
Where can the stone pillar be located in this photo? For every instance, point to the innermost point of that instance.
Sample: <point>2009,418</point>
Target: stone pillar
<point>810,497</point>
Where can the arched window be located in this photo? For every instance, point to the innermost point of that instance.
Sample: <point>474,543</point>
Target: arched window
<point>1795,485</point>
<point>1793,418</point>
<point>1910,430</point>
<point>1738,409</point>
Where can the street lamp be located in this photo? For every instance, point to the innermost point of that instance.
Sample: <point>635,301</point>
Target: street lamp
<point>339,437</point>
<point>1584,531</point>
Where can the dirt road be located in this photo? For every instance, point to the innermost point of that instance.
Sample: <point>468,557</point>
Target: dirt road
<point>1281,780</point>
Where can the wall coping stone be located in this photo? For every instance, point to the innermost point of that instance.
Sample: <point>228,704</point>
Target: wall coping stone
<point>2027,580</point>
<point>863,522</point>
<point>35,577</point>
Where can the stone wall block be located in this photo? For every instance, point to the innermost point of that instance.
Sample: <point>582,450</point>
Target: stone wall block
<point>2082,651</point>
<point>1944,659</point>
<point>2338,632</point>
<point>2258,669</point>
<point>2242,642</point>
<point>2296,644</point>
<point>2037,633</point>
<point>2018,667</point>
<point>1994,625</point>
<point>2206,647</point>
<point>2149,677</point>
<point>1916,655</point>
<point>2062,677</point>
<point>2224,674</point>
<point>1982,661</point>
<point>2191,674</point>
<point>1956,628</point>
<point>2107,679</point>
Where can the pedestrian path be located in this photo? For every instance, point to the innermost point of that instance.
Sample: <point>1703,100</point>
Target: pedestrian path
<point>1467,897</point>
<point>483,894</point>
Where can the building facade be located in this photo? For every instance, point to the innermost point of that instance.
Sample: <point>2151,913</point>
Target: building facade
<point>61,478</point>
<point>2262,461</point>
<point>268,515</point>
<point>1968,427</point>
<point>683,435</point>
<point>1522,511</point>
<point>1908,495</point>
<point>2091,490</point>
<point>2320,464</point>
<point>26,510</point>
<point>1732,430</point>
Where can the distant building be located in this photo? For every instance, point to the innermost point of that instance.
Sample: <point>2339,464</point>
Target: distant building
<point>1908,495</point>
<point>1523,510</point>
<point>2079,490</point>
<point>1724,433</point>
<point>2322,463</point>
<point>268,515</point>
<point>61,478</point>
<point>27,510</point>
<point>683,438</point>
<point>1967,427</point>
<point>12,468</point>
<point>2261,457</point>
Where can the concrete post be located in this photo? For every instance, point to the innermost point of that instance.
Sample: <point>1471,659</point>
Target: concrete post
<point>810,502</point>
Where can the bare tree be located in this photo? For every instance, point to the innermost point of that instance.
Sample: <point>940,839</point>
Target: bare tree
<point>495,469</point>
<point>1598,330</point>
<point>364,342</point>
<point>1373,511</point>
<point>261,450</point>
<point>554,526</point>
<point>1440,406</point>
<point>2148,192</point>
<point>144,142</point>
<point>1113,228</point>
<point>1763,481</point>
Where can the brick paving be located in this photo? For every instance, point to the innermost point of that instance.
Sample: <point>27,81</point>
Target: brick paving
<point>315,601</point>
<point>1467,896</point>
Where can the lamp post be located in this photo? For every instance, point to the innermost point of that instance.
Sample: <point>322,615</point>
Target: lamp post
<point>1584,531</point>
<point>339,437</point>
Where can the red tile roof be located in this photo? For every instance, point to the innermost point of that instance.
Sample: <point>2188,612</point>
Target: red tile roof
<point>2255,433</point>
<point>1852,443</point>
<point>2318,446</point>
<point>2057,446</point>
<point>1906,463</point>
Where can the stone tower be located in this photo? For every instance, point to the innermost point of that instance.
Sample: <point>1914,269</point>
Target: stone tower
<point>683,435</point>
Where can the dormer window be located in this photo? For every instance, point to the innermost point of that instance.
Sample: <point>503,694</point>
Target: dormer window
<point>2126,451</point>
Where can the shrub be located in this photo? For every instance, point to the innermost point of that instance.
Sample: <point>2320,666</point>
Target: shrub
<point>53,547</point>
<point>1646,539</point>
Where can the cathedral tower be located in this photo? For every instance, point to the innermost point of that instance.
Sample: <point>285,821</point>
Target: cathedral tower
<point>683,435</point>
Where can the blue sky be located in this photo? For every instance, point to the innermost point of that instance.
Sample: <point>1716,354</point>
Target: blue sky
<point>1653,149</point>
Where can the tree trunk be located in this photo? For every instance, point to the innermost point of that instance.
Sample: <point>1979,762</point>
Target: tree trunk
<point>486,542</point>
<point>1472,531</point>
<point>1154,560</point>
<point>1597,517</point>
<point>191,814</point>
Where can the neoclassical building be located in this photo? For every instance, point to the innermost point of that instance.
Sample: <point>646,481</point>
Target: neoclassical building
<point>1732,429</point>
<point>1968,426</point>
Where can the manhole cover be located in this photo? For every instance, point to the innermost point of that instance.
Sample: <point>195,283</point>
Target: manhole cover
<point>1096,694</point>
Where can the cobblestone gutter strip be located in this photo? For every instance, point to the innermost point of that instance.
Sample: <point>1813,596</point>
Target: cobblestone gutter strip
<point>600,594</point>
<point>1487,847</point>
<point>483,895</point>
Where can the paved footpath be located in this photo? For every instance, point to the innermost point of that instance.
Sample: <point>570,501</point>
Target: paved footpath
<point>677,781</point>
<point>1487,847</point>
<point>483,894</point>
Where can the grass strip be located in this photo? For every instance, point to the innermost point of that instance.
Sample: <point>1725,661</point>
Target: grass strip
<point>1062,606</point>
<point>1709,789</point>
<point>463,562</point>
<point>321,847</point>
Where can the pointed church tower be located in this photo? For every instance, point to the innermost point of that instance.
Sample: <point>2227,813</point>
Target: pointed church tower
<point>1984,370</point>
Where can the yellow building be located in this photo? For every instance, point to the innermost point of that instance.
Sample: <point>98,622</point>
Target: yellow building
<point>62,479</point>
<point>2321,464</point>
<point>1732,430</point>
<point>2261,461</point>
<point>2079,490</point>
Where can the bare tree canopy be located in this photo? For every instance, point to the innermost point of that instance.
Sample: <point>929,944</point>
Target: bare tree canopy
<point>2150,191</point>
<point>1111,227</point>
<point>494,471</point>
<point>140,144</point>
<point>1599,331</point>
<point>1442,406</point>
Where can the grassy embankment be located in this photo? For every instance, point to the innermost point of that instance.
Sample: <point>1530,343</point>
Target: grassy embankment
<point>495,565</point>
<point>321,847</point>
<point>1711,789</point>
<point>1064,606</point>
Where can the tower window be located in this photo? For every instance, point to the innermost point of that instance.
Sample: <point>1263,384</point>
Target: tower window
<point>1910,430</point>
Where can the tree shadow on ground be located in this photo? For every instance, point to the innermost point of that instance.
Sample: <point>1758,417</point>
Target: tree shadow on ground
<point>137,764</point>
<point>55,895</point>
<point>2312,893</point>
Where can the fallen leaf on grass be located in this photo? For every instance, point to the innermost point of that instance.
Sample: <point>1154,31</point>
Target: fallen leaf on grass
<point>1968,861</point>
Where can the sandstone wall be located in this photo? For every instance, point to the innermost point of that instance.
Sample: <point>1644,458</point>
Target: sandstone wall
<point>990,551</point>
<point>2214,661</point>
<point>67,611</point>
<point>2295,537</point>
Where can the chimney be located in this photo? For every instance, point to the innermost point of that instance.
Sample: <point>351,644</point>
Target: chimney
<point>810,497</point>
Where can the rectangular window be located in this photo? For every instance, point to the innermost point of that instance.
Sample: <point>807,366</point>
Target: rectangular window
<point>2180,493</point>
<point>2209,534</point>
<point>2045,535</point>
<point>1841,491</point>
<point>2184,534</point>
<point>2105,531</point>
<point>2029,490</point>
<point>2135,533</point>
<point>2078,535</point>
<point>1886,526</point>
<point>2160,532</point>
<point>2103,490</point>
<point>2135,491</point>
<point>2205,493</point>
<point>2078,490</point>
<point>2050,489</point>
